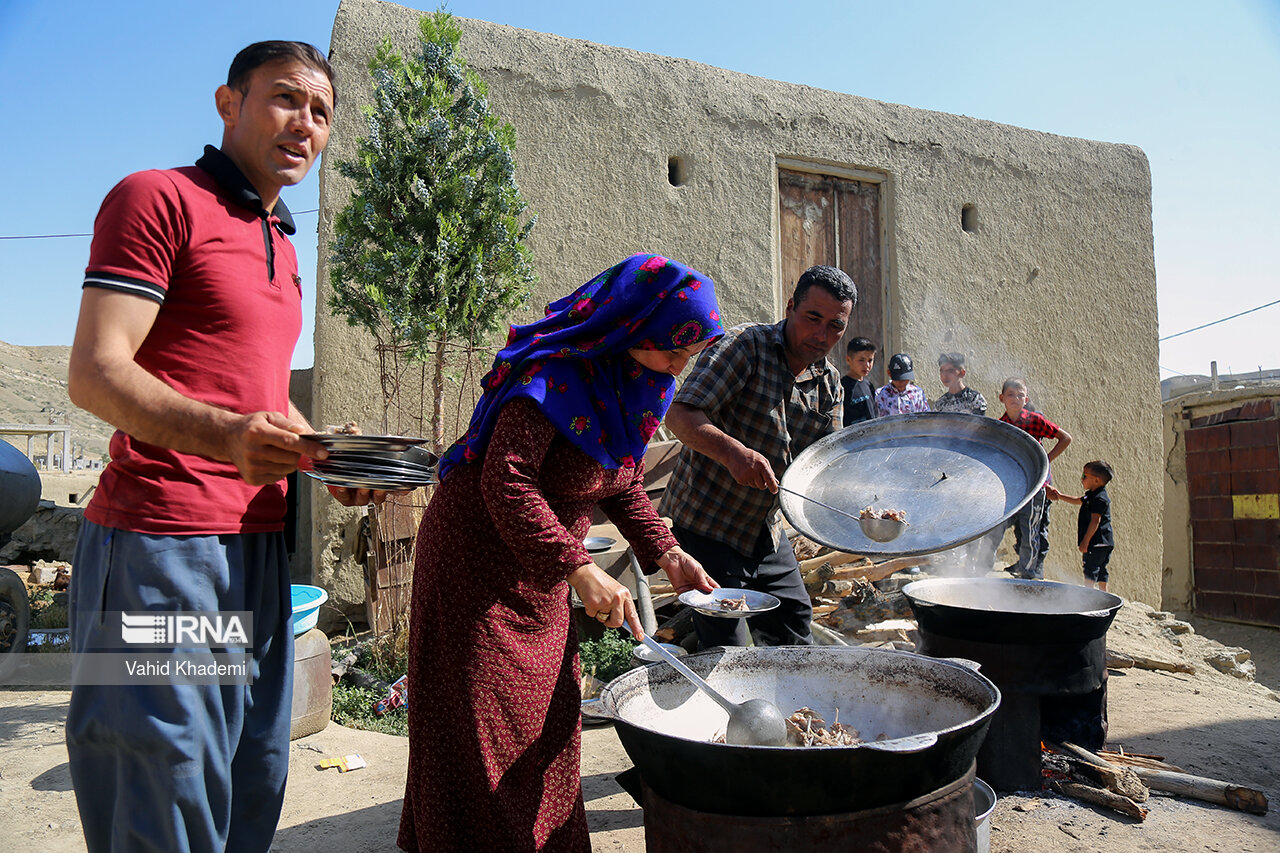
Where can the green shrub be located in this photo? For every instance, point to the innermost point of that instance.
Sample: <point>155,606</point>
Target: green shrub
<point>353,708</point>
<point>607,657</point>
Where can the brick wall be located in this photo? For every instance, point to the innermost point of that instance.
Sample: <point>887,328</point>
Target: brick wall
<point>1233,481</point>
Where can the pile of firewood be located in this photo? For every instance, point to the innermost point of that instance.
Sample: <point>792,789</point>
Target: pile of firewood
<point>845,600</point>
<point>1123,781</point>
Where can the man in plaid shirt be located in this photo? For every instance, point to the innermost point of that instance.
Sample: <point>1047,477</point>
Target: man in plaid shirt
<point>754,400</point>
<point>1030,525</point>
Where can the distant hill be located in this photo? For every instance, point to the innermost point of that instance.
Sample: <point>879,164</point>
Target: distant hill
<point>33,389</point>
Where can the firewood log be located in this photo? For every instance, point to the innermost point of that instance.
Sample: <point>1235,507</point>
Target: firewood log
<point>1100,797</point>
<point>815,578</point>
<point>1118,660</point>
<point>859,614</point>
<point>1130,760</point>
<point>1120,780</point>
<point>880,571</point>
<point>835,558</point>
<point>1208,790</point>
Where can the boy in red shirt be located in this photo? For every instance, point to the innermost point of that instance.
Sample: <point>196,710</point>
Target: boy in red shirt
<point>1031,524</point>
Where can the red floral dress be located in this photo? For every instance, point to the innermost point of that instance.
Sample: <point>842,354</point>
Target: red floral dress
<point>494,723</point>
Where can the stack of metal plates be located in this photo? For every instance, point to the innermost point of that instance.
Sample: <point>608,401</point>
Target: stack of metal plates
<point>385,463</point>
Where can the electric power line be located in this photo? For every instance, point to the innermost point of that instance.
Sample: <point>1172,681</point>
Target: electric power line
<point>56,236</point>
<point>1216,322</point>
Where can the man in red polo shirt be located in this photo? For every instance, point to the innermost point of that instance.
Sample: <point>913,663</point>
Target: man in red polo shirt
<point>190,311</point>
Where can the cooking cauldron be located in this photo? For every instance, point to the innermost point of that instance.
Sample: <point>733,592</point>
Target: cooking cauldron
<point>933,712</point>
<point>1005,610</point>
<point>1043,643</point>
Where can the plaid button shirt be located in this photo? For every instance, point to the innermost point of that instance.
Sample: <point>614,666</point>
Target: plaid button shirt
<point>746,389</point>
<point>1036,425</point>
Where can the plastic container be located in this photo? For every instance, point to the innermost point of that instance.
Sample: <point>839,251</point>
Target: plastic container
<point>306,606</point>
<point>984,803</point>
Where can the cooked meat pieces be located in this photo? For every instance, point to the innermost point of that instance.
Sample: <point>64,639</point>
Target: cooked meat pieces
<point>739,603</point>
<point>806,727</point>
<point>890,514</point>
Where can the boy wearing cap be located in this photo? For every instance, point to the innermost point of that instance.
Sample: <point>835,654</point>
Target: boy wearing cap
<point>901,396</point>
<point>859,391</point>
<point>959,397</point>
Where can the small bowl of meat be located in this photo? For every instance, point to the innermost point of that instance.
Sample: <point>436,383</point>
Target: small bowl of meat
<point>882,525</point>
<point>729,603</point>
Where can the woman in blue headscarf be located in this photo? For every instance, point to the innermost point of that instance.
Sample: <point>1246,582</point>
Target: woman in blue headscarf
<point>561,427</point>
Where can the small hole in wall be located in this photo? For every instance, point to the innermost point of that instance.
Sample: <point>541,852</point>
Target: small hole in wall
<point>969,218</point>
<point>675,171</point>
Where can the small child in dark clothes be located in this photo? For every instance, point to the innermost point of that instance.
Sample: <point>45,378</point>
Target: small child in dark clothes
<point>1094,523</point>
<point>859,392</point>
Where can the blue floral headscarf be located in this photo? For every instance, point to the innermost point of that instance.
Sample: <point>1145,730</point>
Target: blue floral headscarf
<point>574,364</point>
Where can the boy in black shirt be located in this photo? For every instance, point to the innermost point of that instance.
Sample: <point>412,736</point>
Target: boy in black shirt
<point>859,392</point>
<point>1094,523</point>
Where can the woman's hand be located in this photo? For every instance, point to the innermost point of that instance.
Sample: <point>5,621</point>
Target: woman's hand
<point>605,600</point>
<point>685,572</point>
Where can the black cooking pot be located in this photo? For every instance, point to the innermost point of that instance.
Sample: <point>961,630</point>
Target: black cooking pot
<point>931,715</point>
<point>1005,610</point>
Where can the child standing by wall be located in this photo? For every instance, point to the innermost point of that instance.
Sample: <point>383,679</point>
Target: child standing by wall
<point>901,396</point>
<point>1029,525</point>
<point>959,397</point>
<point>1094,524</point>
<point>859,392</point>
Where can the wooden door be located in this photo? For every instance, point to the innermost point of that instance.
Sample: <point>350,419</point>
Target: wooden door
<point>1233,482</point>
<point>824,219</point>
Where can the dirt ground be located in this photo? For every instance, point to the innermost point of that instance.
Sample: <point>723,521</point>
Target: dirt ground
<point>1209,723</point>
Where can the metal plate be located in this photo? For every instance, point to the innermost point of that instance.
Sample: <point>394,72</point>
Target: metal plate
<point>378,483</point>
<point>706,603</point>
<point>991,470</point>
<point>415,458</point>
<point>597,544</point>
<point>384,468</point>
<point>342,441</point>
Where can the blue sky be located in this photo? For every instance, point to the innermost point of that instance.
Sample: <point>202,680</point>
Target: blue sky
<point>93,91</point>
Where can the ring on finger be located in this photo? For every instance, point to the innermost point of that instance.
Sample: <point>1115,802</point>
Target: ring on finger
<point>603,615</point>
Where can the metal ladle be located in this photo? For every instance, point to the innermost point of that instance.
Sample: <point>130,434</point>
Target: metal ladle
<point>876,529</point>
<point>756,722</point>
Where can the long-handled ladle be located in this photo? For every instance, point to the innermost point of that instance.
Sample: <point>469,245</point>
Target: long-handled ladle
<point>877,529</point>
<point>756,722</point>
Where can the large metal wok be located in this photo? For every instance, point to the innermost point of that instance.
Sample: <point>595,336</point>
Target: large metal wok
<point>957,476</point>
<point>933,713</point>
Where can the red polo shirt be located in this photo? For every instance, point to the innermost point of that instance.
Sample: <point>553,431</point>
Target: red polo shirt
<point>197,240</point>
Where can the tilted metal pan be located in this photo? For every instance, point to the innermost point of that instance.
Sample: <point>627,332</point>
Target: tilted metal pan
<point>957,476</point>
